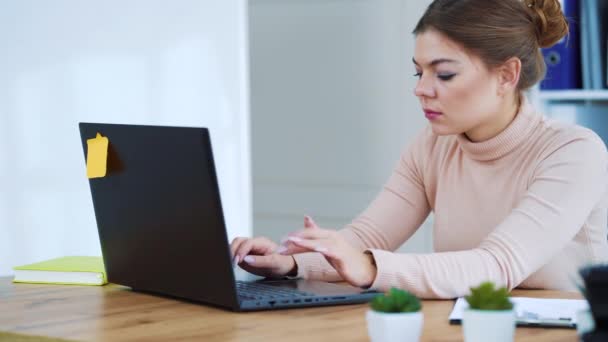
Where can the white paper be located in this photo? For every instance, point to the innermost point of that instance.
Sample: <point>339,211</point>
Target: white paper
<point>534,309</point>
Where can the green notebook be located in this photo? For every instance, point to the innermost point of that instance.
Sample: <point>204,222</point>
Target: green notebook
<point>72,270</point>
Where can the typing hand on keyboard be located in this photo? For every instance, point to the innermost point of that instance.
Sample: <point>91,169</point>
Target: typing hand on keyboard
<point>353,265</point>
<point>258,256</point>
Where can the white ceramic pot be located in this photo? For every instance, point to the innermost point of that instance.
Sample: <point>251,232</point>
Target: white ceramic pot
<point>393,327</point>
<point>584,322</point>
<point>488,325</point>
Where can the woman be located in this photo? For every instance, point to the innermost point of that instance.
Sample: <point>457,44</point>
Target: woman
<point>517,199</point>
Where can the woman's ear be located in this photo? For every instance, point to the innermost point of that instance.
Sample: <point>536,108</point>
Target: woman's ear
<point>508,75</point>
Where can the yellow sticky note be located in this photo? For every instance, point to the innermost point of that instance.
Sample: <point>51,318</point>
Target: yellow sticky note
<point>97,156</point>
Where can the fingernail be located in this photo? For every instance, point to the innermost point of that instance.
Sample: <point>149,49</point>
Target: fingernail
<point>320,249</point>
<point>282,250</point>
<point>249,259</point>
<point>236,259</point>
<point>295,239</point>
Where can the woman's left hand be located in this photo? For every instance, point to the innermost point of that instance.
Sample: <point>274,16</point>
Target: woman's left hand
<point>354,266</point>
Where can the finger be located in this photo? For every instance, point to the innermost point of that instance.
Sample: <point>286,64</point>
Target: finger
<point>243,250</point>
<point>311,230</point>
<point>284,239</point>
<point>319,245</point>
<point>260,271</point>
<point>262,261</point>
<point>284,244</point>
<point>255,246</point>
<point>235,243</point>
<point>309,222</point>
<point>289,248</point>
<point>263,246</point>
<point>316,245</point>
<point>234,246</point>
<point>312,233</point>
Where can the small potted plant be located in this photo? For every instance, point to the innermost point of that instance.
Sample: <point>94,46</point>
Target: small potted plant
<point>490,315</point>
<point>394,316</point>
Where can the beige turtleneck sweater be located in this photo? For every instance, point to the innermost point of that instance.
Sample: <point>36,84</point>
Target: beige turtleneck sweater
<point>526,208</point>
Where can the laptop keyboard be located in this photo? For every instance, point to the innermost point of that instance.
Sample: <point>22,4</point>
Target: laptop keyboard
<point>247,290</point>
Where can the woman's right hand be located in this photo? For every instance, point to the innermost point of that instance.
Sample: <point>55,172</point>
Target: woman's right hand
<point>259,256</point>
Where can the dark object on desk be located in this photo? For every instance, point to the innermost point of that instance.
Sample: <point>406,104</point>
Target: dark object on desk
<point>596,292</point>
<point>162,230</point>
<point>595,336</point>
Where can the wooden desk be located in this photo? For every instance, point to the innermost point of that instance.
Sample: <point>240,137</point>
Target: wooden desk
<point>114,313</point>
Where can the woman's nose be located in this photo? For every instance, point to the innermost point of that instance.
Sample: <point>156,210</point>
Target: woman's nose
<point>424,88</point>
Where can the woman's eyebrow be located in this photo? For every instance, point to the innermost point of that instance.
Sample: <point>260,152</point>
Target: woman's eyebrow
<point>437,61</point>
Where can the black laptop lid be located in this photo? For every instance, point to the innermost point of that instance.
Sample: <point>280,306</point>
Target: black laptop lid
<point>159,214</point>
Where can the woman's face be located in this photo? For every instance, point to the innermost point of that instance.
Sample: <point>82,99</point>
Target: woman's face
<point>457,92</point>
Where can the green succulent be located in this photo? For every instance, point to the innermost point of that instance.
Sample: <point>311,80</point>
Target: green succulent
<point>395,301</point>
<point>486,297</point>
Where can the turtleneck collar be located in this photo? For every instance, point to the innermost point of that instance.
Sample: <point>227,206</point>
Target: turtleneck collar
<point>518,131</point>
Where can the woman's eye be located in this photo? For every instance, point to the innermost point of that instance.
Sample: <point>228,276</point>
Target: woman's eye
<point>443,77</point>
<point>446,77</point>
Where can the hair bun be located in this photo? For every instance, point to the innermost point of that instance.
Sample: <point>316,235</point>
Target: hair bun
<point>550,23</point>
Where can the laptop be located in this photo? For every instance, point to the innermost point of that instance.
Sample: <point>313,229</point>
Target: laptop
<point>161,225</point>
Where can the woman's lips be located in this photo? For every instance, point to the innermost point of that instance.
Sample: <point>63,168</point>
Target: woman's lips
<point>431,114</point>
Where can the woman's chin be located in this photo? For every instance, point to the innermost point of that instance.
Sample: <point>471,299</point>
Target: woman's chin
<point>439,129</point>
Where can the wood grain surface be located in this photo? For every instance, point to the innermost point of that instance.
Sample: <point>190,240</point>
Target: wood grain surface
<point>115,313</point>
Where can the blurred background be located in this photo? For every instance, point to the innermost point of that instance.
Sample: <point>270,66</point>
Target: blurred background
<point>181,63</point>
<point>332,108</point>
<point>309,105</point>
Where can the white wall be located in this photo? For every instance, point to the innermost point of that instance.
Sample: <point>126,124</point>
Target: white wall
<point>332,108</point>
<point>181,62</point>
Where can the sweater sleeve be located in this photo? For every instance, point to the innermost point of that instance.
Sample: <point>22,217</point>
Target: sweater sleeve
<point>391,218</point>
<point>565,186</point>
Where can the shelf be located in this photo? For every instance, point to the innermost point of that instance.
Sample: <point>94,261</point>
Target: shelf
<point>573,95</point>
